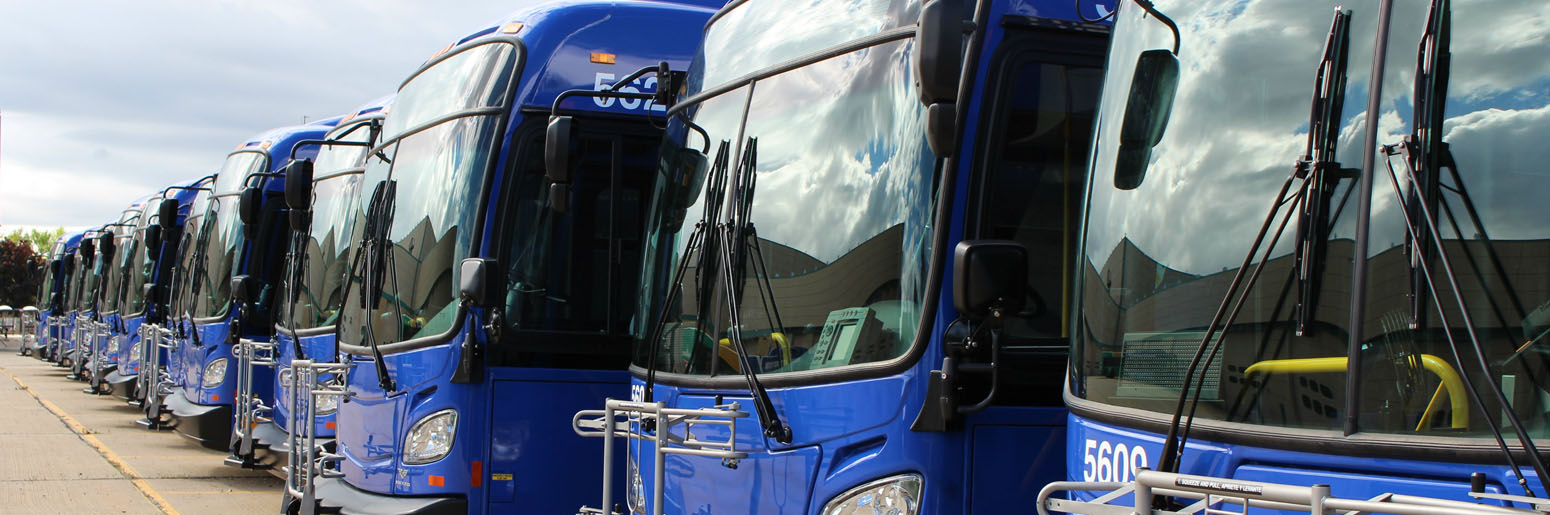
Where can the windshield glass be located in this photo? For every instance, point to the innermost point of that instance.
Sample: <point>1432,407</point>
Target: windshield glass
<point>757,35</point>
<point>833,270</point>
<point>325,261</point>
<point>1157,260</point>
<point>429,182</point>
<point>114,271</point>
<point>220,236</point>
<point>86,282</point>
<point>138,268</point>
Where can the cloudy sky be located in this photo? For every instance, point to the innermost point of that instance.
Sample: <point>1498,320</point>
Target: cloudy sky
<point>107,101</point>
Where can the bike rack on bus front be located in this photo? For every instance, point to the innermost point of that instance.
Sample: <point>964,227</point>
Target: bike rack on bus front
<point>154,381</point>
<point>1213,493</point>
<point>251,410</point>
<point>309,381</point>
<point>605,424</point>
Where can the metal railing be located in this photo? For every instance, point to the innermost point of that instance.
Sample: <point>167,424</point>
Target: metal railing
<point>607,424</point>
<point>1214,496</point>
<point>250,409</point>
<point>308,382</point>
<point>154,381</point>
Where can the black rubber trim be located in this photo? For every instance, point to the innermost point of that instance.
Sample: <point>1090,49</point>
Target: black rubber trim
<point>334,494</point>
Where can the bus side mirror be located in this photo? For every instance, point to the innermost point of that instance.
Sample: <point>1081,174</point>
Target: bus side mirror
<point>167,215</point>
<point>479,278</point>
<point>249,204</point>
<point>298,184</point>
<point>938,63</point>
<point>298,193</point>
<point>153,242</point>
<point>107,247</point>
<point>557,155</point>
<point>244,288</point>
<point>1152,89</point>
<point>148,291</point>
<point>990,278</point>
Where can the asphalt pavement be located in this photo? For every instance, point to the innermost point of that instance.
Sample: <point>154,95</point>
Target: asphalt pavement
<point>64,451</point>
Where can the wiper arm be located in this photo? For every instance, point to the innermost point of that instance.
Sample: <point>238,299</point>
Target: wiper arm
<point>674,287</point>
<point>374,246</point>
<point>1319,173</point>
<point>732,234</point>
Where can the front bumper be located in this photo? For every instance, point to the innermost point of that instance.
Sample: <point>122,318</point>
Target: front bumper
<point>335,494</point>
<point>208,425</point>
<point>123,387</point>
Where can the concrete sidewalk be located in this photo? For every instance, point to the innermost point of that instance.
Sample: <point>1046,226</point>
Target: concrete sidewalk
<point>64,451</point>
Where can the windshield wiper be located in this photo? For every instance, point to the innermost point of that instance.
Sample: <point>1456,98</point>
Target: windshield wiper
<point>373,247</point>
<point>732,234</point>
<point>1319,173</point>
<point>1424,155</point>
<point>713,191</point>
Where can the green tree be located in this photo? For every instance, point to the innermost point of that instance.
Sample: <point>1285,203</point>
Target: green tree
<point>40,240</point>
<point>20,273</point>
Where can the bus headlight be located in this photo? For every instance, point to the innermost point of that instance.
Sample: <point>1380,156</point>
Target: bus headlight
<point>327,404</point>
<point>893,495</point>
<point>430,439</point>
<point>134,352</point>
<point>215,373</point>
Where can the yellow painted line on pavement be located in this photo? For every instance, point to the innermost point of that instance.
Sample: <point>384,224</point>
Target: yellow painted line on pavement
<point>215,492</point>
<point>102,449</point>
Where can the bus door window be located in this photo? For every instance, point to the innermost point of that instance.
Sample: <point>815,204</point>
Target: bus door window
<point>570,286</point>
<point>1029,187</point>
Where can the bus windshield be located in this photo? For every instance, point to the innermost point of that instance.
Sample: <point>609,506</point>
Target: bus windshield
<point>422,185</point>
<point>1157,259</point>
<point>137,270</point>
<point>220,236</point>
<point>834,263</point>
<point>318,295</point>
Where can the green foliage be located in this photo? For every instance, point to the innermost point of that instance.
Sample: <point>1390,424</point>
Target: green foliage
<point>21,272</point>
<point>40,240</point>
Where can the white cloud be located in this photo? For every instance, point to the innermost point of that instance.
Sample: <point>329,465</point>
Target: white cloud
<point>103,101</point>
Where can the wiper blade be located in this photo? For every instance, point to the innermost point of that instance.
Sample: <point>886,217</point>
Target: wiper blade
<point>732,234</point>
<point>373,246</point>
<point>1320,170</point>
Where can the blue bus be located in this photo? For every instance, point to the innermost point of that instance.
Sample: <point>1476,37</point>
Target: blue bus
<point>461,373</point>
<point>163,355</point>
<point>53,295</point>
<point>148,277</point>
<point>108,331</point>
<point>309,295</point>
<point>228,291</point>
<point>78,300</point>
<point>842,166</point>
<point>1273,297</point>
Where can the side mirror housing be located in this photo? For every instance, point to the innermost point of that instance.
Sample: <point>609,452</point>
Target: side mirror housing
<point>153,242</point>
<point>167,215</point>
<point>989,276</point>
<point>107,246</point>
<point>298,184</point>
<point>249,205</point>
<point>148,290</point>
<point>479,279</point>
<point>557,155</point>
<point>1147,110</point>
<point>243,288</point>
<point>938,64</point>
<point>938,59</point>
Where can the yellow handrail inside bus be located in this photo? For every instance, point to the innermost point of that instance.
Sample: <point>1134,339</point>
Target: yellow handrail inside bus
<point>1452,385</point>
